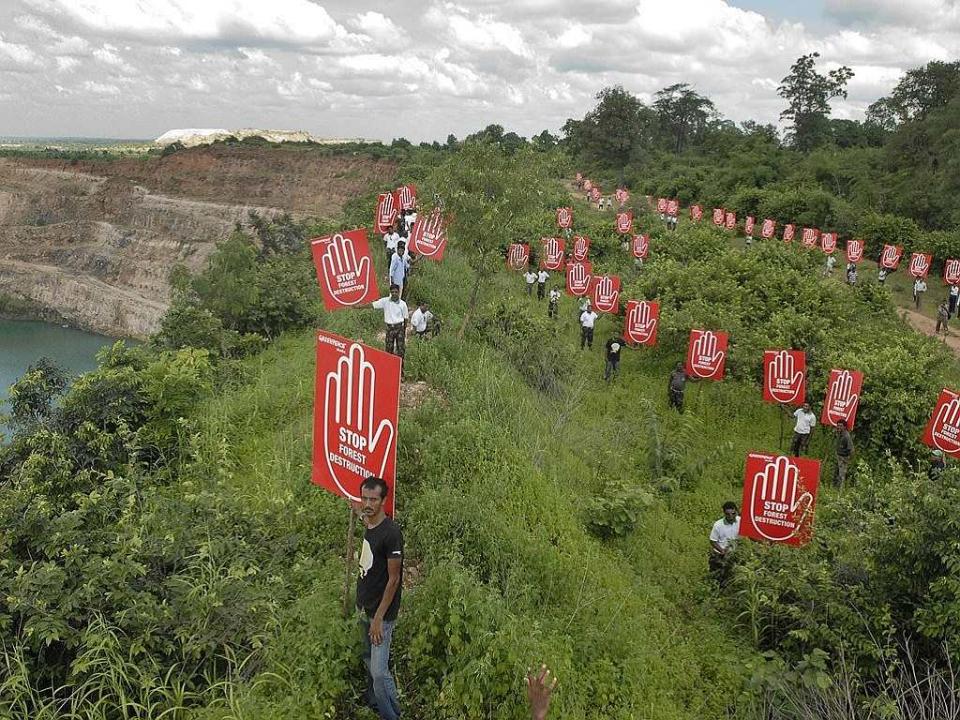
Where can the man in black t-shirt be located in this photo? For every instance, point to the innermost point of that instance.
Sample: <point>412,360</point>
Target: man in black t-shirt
<point>675,387</point>
<point>378,595</point>
<point>614,346</point>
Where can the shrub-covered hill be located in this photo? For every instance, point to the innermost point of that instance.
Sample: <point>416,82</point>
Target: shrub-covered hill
<point>164,551</point>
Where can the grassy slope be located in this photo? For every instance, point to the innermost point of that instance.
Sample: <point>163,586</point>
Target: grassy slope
<point>493,482</point>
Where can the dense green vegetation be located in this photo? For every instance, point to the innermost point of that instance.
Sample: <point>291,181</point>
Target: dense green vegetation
<point>164,553</point>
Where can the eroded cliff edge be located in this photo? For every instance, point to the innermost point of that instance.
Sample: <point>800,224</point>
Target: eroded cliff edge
<point>93,242</point>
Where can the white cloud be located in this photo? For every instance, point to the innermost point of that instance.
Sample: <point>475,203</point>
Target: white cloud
<point>17,55</point>
<point>100,88</point>
<point>380,29</point>
<point>574,36</point>
<point>66,63</point>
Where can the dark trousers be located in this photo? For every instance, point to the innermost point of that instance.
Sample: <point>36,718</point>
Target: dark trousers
<point>800,443</point>
<point>612,368</point>
<point>530,289</point>
<point>941,323</point>
<point>552,309</point>
<point>843,461</point>
<point>396,342</point>
<point>720,566</point>
<point>586,337</point>
<point>675,398</point>
<point>541,290</point>
<point>953,305</point>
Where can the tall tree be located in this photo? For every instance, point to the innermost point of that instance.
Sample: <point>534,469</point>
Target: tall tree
<point>808,94</point>
<point>919,92</point>
<point>683,114</point>
<point>613,131</point>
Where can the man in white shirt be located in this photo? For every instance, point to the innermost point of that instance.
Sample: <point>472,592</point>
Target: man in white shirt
<point>723,540</point>
<point>395,316</point>
<point>831,264</point>
<point>954,295</point>
<point>531,277</point>
<point>542,277</point>
<point>919,288</point>
<point>390,240</point>
<point>806,421</point>
<point>552,304</point>
<point>421,319</point>
<point>588,318</point>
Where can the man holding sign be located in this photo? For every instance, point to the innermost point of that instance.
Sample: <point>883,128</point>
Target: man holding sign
<point>379,586</point>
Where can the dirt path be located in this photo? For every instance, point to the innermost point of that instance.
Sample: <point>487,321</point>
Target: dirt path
<point>925,325</point>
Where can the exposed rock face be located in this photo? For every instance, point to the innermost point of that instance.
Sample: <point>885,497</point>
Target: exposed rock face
<point>93,242</point>
<point>191,137</point>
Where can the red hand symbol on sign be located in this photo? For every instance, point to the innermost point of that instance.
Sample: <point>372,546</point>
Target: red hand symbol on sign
<point>518,256</point>
<point>553,256</point>
<point>606,295</point>
<point>579,279</point>
<point>563,217</point>
<point>951,272</point>
<point>854,250</point>
<point>640,322</point>
<point>349,418</point>
<point>705,355</point>
<point>580,248</point>
<point>387,211</point>
<point>782,379</point>
<point>339,260</point>
<point>777,487</point>
<point>889,255</point>
<point>841,400</point>
<point>431,237</point>
<point>947,423</point>
<point>918,264</point>
<point>624,222</point>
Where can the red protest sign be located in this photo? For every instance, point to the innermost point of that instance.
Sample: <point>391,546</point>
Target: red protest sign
<point>386,214</point>
<point>581,247</point>
<point>673,208</point>
<point>730,220</point>
<point>356,403</point>
<point>565,217</point>
<point>579,177</point>
<point>706,354</point>
<point>809,237</point>
<point>788,232</point>
<point>943,428</point>
<point>890,256</point>
<point>518,256</point>
<point>696,213</point>
<point>768,229</point>
<point>951,272</point>
<point>551,257</point>
<point>784,376</point>
<point>662,205</point>
<point>643,316</point>
<point>828,242</point>
<point>640,246</point>
<point>718,217</point>
<point>622,196</point>
<point>625,222</point>
<point>842,398</point>
<point>344,269</point>
<point>579,277</point>
<point>595,194</point>
<point>854,251</point>
<point>605,293</point>
<point>428,238</point>
<point>587,185</point>
<point>748,225</point>
<point>920,264</point>
<point>779,495</point>
<point>407,196</point>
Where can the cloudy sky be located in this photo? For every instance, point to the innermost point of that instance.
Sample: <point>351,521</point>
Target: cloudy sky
<point>422,69</point>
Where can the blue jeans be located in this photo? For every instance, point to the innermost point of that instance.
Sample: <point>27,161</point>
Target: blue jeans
<point>379,679</point>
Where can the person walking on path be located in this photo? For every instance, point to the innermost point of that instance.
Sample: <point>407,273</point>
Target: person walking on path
<point>723,541</point>
<point>588,318</point>
<point>919,288</point>
<point>379,586</point>
<point>390,240</point>
<point>531,277</point>
<point>954,295</point>
<point>542,278</point>
<point>943,317</point>
<point>676,386</point>
<point>882,275</point>
<point>806,421</point>
<point>612,368</point>
<point>844,452</point>
<point>400,266</point>
<point>395,317</point>
<point>552,303</point>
